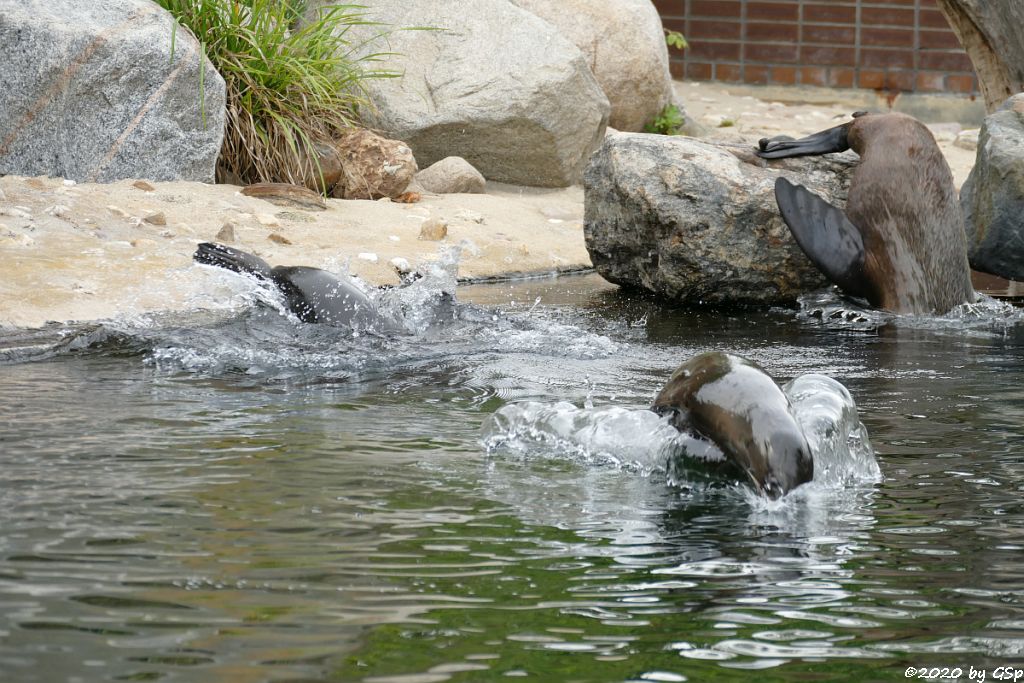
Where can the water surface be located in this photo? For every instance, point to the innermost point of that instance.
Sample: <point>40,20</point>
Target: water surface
<point>236,496</point>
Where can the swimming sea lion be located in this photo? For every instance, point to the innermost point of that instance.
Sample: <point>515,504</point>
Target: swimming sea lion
<point>900,243</point>
<point>733,403</point>
<point>311,294</point>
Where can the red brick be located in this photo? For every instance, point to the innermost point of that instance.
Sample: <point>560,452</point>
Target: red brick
<point>677,68</point>
<point>944,61</point>
<point>783,75</point>
<point>675,24</point>
<point>931,81</point>
<point>887,37</point>
<point>841,78</point>
<point>830,35</point>
<point>813,75</point>
<point>887,16</point>
<point>938,39</point>
<point>962,83</point>
<point>728,72</point>
<point>830,13</point>
<point>709,28</point>
<point>789,33</point>
<point>873,80</point>
<point>827,55</point>
<point>932,18</point>
<point>887,59</point>
<point>670,7</point>
<point>715,8</point>
<point>698,71</point>
<point>770,53</point>
<point>758,75</point>
<point>780,11</point>
<point>708,50</point>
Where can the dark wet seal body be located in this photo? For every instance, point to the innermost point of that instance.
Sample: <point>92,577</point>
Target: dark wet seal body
<point>733,403</point>
<point>311,294</point>
<point>900,244</point>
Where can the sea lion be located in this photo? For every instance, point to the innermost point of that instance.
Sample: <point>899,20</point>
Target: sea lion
<point>900,243</point>
<point>311,294</point>
<point>733,403</point>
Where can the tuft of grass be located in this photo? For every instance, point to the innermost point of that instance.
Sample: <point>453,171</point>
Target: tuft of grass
<point>669,122</point>
<point>290,86</point>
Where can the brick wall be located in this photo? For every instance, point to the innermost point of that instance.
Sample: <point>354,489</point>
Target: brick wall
<point>886,45</point>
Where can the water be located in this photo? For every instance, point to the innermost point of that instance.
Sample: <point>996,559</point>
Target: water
<point>231,496</point>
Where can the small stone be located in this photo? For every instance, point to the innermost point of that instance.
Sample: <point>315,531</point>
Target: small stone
<point>451,175</point>
<point>268,220</point>
<point>118,211</point>
<point>368,256</point>
<point>226,233</point>
<point>58,210</point>
<point>143,185</point>
<point>967,139</point>
<point>167,234</point>
<point>68,182</point>
<point>470,216</point>
<point>157,218</point>
<point>407,198</point>
<point>279,238</point>
<point>433,230</point>
<point>394,238</point>
<point>400,265</point>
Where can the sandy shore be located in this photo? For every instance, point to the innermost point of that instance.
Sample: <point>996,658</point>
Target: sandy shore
<point>78,252</point>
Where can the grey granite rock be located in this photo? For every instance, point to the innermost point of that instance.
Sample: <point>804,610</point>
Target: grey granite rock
<point>992,197</point>
<point>90,92</point>
<point>489,82</point>
<point>696,222</point>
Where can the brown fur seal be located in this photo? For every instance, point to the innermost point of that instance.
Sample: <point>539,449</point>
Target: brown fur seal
<point>733,403</point>
<point>900,243</point>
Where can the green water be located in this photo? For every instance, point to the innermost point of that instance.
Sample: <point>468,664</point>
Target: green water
<point>252,501</point>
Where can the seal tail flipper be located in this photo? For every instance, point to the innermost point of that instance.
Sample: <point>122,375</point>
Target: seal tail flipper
<point>781,147</point>
<point>826,235</point>
<point>211,254</point>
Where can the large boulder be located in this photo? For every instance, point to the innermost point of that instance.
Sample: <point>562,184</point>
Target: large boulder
<point>624,44</point>
<point>696,222</point>
<point>992,197</point>
<point>486,81</point>
<point>90,92</point>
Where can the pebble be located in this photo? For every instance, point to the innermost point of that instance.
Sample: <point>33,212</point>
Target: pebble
<point>167,234</point>
<point>400,264</point>
<point>279,238</point>
<point>967,139</point>
<point>15,212</point>
<point>68,182</point>
<point>368,256</point>
<point>471,216</point>
<point>58,210</point>
<point>118,211</point>
<point>226,233</point>
<point>268,220</point>
<point>143,185</point>
<point>433,230</point>
<point>157,218</point>
<point>394,238</point>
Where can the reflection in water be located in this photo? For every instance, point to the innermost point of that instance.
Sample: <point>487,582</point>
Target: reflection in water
<point>250,499</point>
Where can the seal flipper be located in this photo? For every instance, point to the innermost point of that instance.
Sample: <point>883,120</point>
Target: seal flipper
<point>237,261</point>
<point>826,235</point>
<point>781,147</point>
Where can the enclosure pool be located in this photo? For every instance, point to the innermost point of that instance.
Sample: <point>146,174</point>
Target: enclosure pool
<point>241,497</point>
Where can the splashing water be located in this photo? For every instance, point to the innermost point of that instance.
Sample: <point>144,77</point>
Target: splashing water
<point>639,440</point>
